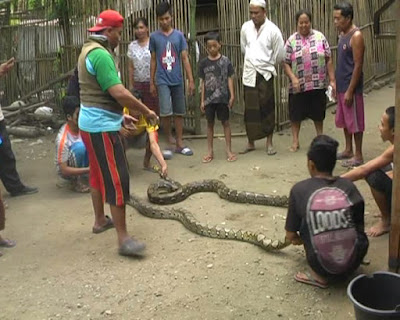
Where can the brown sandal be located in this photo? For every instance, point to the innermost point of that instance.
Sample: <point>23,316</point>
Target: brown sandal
<point>108,225</point>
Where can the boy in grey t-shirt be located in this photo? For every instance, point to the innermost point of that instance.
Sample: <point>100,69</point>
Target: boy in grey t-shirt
<point>217,93</point>
<point>168,47</point>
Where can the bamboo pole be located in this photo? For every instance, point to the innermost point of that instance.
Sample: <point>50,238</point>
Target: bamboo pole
<point>192,42</point>
<point>394,241</point>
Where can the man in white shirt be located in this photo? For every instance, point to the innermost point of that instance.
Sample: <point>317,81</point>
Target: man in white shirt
<point>263,47</point>
<point>8,172</point>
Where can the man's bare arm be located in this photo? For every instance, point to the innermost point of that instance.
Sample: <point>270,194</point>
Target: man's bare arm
<point>188,69</point>
<point>71,171</point>
<point>375,164</point>
<point>153,68</point>
<point>358,47</point>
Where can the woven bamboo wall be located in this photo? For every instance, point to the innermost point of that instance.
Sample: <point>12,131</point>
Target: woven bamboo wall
<point>47,41</point>
<point>379,56</point>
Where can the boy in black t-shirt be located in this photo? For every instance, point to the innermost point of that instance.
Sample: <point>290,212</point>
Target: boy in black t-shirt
<point>326,214</point>
<point>217,93</point>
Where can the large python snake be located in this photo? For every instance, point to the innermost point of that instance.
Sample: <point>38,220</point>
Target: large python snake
<point>167,191</point>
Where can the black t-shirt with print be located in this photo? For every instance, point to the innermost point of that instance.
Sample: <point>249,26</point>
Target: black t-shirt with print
<point>329,214</point>
<point>215,74</point>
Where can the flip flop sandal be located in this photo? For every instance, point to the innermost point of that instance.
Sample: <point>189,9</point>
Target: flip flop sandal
<point>108,225</point>
<point>131,248</point>
<point>271,151</point>
<point>81,188</point>
<point>6,243</point>
<point>231,158</point>
<point>207,159</point>
<point>186,151</point>
<point>167,154</point>
<point>247,150</point>
<point>310,281</point>
<point>351,163</point>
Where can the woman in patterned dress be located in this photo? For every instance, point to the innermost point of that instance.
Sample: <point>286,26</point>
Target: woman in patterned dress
<point>309,66</point>
<point>139,64</point>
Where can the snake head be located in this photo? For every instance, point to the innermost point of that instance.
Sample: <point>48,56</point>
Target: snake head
<point>167,186</point>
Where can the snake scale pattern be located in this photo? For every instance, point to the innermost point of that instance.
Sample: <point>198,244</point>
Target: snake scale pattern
<point>167,191</point>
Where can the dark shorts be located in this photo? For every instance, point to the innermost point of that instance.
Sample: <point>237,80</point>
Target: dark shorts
<point>221,109</point>
<point>381,182</point>
<point>108,166</point>
<point>309,104</point>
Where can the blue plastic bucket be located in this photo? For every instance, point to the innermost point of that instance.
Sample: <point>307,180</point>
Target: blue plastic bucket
<point>376,296</point>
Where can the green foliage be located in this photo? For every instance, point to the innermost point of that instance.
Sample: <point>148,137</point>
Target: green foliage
<point>59,9</point>
<point>35,4</point>
<point>57,65</point>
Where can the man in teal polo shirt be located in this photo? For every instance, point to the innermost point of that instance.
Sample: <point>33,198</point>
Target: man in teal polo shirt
<point>102,100</point>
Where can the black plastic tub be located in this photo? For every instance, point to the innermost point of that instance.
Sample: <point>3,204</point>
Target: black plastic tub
<point>376,296</point>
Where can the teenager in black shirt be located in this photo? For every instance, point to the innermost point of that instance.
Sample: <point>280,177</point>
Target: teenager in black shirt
<point>326,215</point>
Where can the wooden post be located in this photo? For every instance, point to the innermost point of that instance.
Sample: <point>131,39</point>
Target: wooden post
<point>192,42</point>
<point>394,242</point>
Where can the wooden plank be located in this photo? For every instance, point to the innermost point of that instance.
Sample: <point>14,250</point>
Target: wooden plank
<point>394,241</point>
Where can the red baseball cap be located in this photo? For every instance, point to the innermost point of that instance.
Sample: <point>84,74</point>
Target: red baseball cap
<point>108,19</point>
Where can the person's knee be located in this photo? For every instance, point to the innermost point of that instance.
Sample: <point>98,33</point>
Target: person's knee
<point>373,179</point>
<point>210,123</point>
<point>225,123</point>
<point>79,149</point>
<point>80,156</point>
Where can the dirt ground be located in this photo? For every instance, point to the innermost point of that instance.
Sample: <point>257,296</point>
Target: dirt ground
<point>60,270</point>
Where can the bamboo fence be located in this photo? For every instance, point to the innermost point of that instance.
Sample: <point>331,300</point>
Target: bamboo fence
<point>46,42</point>
<point>379,56</point>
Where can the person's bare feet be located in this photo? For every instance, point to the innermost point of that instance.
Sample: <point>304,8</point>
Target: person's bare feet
<point>379,229</point>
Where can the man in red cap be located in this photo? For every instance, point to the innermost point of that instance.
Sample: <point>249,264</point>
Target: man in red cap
<point>103,97</point>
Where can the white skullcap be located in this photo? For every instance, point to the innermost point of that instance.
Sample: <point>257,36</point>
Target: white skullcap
<point>258,3</point>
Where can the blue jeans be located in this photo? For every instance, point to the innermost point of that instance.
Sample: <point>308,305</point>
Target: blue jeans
<point>171,100</point>
<point>78,158</point>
